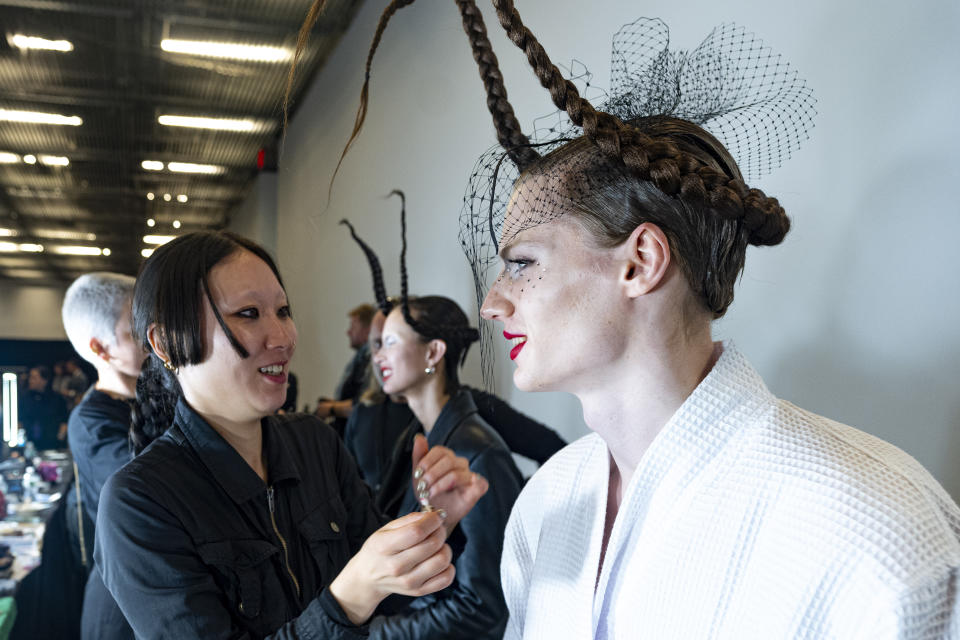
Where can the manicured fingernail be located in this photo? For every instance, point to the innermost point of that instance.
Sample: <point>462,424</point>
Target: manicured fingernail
<point>421,486</point>
<point>418,473</point>
<point>424,501</point>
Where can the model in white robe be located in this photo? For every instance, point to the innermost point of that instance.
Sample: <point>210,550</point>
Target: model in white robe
<point>746,518</point>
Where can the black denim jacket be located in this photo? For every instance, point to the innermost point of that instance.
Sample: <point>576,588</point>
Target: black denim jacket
<point>193,544</point>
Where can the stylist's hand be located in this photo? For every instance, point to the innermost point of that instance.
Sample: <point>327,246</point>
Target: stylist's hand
<point>453,487</point>
<point>407,556</point>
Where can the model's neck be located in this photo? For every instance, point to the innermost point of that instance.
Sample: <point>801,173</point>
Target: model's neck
<point>641,392</point>
<point>115,384</point>
<point>427,401</point>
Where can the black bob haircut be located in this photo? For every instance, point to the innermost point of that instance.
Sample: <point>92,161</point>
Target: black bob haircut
<point>171,286</point>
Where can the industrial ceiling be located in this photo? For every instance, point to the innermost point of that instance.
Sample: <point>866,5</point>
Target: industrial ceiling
<point>126,119</point>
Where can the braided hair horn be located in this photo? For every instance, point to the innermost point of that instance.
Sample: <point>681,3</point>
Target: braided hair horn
<point>404,293</point>
<point>509,132</point>
<point>459,337</point>
<point>379,290</point>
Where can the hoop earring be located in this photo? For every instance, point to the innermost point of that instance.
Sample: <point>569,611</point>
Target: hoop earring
<point>429,370</point>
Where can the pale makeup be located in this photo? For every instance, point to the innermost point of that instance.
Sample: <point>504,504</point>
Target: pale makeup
<point>558,294</point>
<point>402,357</point>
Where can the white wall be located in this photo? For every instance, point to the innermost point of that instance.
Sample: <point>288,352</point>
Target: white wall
<point>853,316</point>
<point>256,216</point>
<point>31,312</point>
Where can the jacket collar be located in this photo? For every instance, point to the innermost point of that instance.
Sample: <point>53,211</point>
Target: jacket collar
<point>458,408</point>
<point>226,465</point>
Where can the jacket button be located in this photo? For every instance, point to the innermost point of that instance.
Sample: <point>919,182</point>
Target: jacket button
<point>335,527</point>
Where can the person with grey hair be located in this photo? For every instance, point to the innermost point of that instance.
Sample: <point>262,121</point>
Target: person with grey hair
<point>96,316</point>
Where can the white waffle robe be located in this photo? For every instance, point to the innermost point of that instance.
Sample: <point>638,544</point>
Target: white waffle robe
<point>746,518</point>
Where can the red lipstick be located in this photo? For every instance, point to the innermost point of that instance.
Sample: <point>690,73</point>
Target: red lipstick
<point>517,347</point>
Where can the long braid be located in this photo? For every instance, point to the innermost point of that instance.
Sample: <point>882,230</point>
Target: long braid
<point>509,133</point>
<point>379,290</point>
<point>392,8</point>
<point>458,337</point>
<point>655,159</point>
<point>404,292</point>
<point>152,411</point>
<point>316,9</point>
<point>313,14</point>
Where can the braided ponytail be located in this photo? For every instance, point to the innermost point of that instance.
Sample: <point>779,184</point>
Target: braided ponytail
<point>153,408</point>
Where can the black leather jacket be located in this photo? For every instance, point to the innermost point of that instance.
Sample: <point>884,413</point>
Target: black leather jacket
<point>371,433</point>
<point>473,606</point>
<point>193,544</point>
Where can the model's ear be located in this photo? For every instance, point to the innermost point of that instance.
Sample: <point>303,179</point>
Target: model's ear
<point>99,349</point>
<point>646,256</point>
<point>436,349</point>
<point>154,337</point>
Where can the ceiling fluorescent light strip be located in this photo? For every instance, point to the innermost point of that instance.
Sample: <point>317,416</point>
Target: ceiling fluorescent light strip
<point>38,117</point>
<point>151,239</point>
<point>9,247</point>
<point>54,161</point>
<point>76,250</point>
<point>64,234</point>
<point>22,41</point>
<point>217,124</point>
<point>236,51</point>
<point>183,167</point>
<point>7,157</point>
<point>190,167</point>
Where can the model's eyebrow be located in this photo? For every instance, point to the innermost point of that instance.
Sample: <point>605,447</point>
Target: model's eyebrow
<point>242,299</point>
<point>515,243</point>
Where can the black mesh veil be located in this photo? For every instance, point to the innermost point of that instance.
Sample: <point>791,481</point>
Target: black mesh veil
<point>731,85</point>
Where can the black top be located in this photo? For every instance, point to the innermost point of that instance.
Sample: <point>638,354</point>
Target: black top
<point>290,402</point>
<point>193,544</point>
<point>372,431</point>
<point>473,607</point>
<point>371,435</point>
<point>354,379</point>
<point>42,413</point>
<point>97,433</point>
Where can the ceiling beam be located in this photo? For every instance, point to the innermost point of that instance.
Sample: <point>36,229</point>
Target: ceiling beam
<point>69,7</point>
<point>111,99</point>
